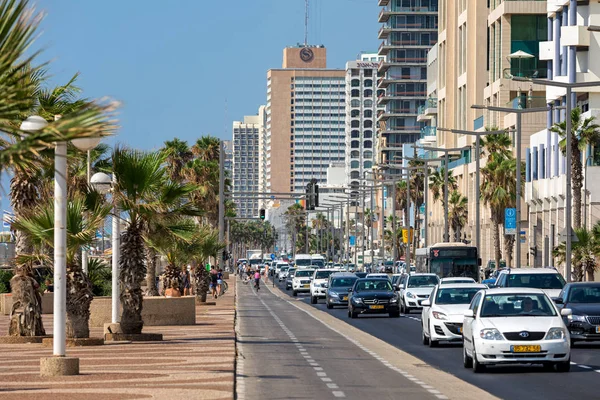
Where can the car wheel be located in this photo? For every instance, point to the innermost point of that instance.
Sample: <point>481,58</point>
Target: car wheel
<point>433,343</point>
<point>467,361</point>
<point>313,300</point>
<point>329,306</point>
<point>295,293</point>
<point>477,366</point>
<point>424,338</point>
<point>563,366</point>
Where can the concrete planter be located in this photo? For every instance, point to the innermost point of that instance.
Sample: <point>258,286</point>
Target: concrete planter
<point>157,311</point>
<point>6,303</point>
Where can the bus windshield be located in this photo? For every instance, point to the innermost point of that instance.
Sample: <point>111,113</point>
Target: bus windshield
<point>461,267</point>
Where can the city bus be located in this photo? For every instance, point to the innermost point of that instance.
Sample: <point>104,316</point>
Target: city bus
<point>449,260</point>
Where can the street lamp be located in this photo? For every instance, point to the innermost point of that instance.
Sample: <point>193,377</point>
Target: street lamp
<point>519,112</point>
<point>103,184</point>
<point>50,365</point>
<point>86,144</point>
<point>569,195</point>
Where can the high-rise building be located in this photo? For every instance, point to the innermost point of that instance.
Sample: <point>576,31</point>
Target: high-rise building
<point>361,112</point>
<point>228,146</point>
<point>246,136</point>
<point>305,119</point>
<point>408,32</point>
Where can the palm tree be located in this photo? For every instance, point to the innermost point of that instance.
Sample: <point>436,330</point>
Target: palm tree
<point>417,196</point>
<point>39,225</point>
<point>437,185</point>
<point>144,193</point>
<point>496,146</point>
<point>368,223</point>
<point>178,155</point>
<point>458,209</point>
<point>584,132</point>
<point>584,252</point>
<point>207,148</point>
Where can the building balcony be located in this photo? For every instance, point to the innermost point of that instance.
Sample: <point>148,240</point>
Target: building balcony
<point>386,13</point>
<point>577,36</point>
<point>387,97</point>
<point>401,129</point>
<point>428,131</point>
<point>399,62</point>
<point>385,81</point>
<point>547,50</point>
<point>428,110</point>
<point>383,3</point>
<point>527,102</point>
<point>398,113</point>
<point>539,73</point>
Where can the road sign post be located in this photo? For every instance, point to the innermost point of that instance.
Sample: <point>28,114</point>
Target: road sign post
<point>510,221</point>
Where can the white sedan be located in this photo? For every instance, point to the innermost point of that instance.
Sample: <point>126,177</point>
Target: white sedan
<point>515,326</point>
<point>443,313</point>
<point>457,280</point>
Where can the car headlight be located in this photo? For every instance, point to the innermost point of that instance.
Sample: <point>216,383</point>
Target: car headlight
<point>333,294</point>
<point>576,318</point>
<point>410,295</point>
<point>491,334</point>
<point>556,333</point>
<point>357,299</point>
<point>439,315</point>
<point>394,300</point>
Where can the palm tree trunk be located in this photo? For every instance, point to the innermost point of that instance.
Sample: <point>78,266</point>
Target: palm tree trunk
<point>26,312</point>
<point>151,290</point>
<point>79,298</point>
<point>132,273</point>
<point>577,181</point>
<point>496,239</point>
<point>509,244</point>
<point>201,282</point>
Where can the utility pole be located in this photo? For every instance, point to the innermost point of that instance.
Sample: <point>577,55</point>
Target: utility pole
<point>221,201</point>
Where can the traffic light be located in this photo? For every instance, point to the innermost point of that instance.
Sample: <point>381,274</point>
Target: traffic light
<point>262,213</point>
<point>533,251</point>
<point>310,202</point>
<point>315,195</point>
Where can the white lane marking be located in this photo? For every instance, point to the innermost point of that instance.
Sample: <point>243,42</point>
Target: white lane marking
<point>583,366</point>
<point>319,370</point>
<point>368,351</point>
<point>332,386</point>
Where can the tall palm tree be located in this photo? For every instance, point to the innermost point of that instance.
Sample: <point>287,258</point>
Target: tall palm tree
<point>496,146</point>
<point>39,225</point>
<point>585,250</point>
<point>144,193</point>
<point>368,223</point>
<point>437,185</point>
<point>178,155</point>
<point>584,132</point>
<point>458,210</point>
<point>207,148</point>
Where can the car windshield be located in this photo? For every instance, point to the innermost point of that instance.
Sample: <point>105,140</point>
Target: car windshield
<point>305,273</point>
<point>283,269</point>
<point>318,263</point>
<point>291,272</point>
<point>303,262</point>
<point>455,295</point>
<point>586,294</point>
<point>423,281</point>
<point>517,305</point>
<point>343,282</point>
<point>379,284</point>
<point>536,281</point>
<point>323,274</point>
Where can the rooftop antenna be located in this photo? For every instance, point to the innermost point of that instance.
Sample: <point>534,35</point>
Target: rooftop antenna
<point>305,23</point>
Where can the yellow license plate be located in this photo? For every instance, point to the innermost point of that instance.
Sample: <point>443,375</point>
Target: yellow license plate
<point>598,329</point>
<point>526,349</point>
<point>460,330</point>
<point>345,298</point>
<point>305,285</point>
<point>376,307</point>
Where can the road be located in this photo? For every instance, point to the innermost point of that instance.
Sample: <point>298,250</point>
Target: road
<point>284,353</point>
<point>583,382</point>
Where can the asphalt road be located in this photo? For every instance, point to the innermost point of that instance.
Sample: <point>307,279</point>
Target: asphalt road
<point>284,353</point>
<point>508,382</point>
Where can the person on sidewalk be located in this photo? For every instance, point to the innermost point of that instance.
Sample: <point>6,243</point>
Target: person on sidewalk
<point>213,282</point>
<point>173,291</point>
<point>185,281</point>
<point>219,281</point>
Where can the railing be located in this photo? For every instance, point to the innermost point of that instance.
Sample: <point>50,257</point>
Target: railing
<point>403,111</point>
<point>399,94</point>
<point>431,102</point>
<point>478,123</point>
<point>527,102</point>
<point>407,60</point>
<point>428,131</point>
<point>509,73</point>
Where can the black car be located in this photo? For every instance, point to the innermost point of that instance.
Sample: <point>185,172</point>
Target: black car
<point>373,296</point>
<point>337,289</point>
<point>290,278</point>
<point>583,299</point>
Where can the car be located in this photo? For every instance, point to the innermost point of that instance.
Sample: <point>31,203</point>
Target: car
<point>493,276</point>
<point>283,271</point>
<point>457,280</point>
<point>583,299</point>
<point>515,326</point>
<point>301,281</point>
<point>318,284</point>
<point>289,278</point>
<point>414,289</point>
<point>547,279</point>
<point>378,275</point>
<point>396,280</point>
<point>361,274</point>
<point>373,296</point>
<point>338,289</point>
<point>443,313</point>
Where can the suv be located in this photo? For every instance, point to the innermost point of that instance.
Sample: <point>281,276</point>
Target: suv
<point>547,279</point>
<point>301,281</point>
<point>414,289</point>
<point>318,286</point>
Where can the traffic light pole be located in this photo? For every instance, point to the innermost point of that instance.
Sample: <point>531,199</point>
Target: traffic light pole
<point>221,206</point>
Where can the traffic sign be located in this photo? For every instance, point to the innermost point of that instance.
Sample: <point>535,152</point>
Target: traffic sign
<point>272,256</point>
<point>510,221</point>
<point>352,241</point>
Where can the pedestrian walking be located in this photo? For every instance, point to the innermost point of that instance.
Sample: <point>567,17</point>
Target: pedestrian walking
<point>185,281</point>
<point>213,282</point>
<point>219,281</point>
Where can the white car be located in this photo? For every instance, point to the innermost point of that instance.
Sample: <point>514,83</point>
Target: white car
<point>515,326</point>
<point>547,279</point>
<point>443,313</point>
<point>318,285</point>
<point>377,275</point>
<point>457,280</point>
<point>414,290</point>
<point>301,281</point>
<point>283,271</point>
<point>279,265</point>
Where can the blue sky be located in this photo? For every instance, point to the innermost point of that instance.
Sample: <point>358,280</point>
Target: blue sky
<point>176,64</point>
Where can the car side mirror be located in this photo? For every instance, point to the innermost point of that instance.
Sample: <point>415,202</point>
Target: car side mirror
<point>565,312</point>
<point>469,314</point>
<point>426,303</point>
<point>558,300</point>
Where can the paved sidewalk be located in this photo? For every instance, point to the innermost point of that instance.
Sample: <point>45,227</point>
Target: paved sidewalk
<point>193,362</point>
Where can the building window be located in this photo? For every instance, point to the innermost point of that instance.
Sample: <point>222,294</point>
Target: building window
<point>355,83</point>
<point>355,124</point>
<point>368,134</point>
<point>354,164</point>
<point>355,144</point>
<point>354,175</point>
<point>368,154</point>
<point>369,103</point>
<point>368,93</point>
<point>368,144</point>
<point>355,134</point>
<point>368,114</point>
<point>368,123</point>
<point>355,103</point>
<point>354,113</point>
<point>368,164</point>
<point>354,154</point>
<point>355,93</point>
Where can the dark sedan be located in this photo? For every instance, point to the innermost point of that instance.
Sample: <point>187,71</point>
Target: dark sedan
<point>583,299</point>
<point>373,296</point>
<point>338,289</point>
<point>290,278</point>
